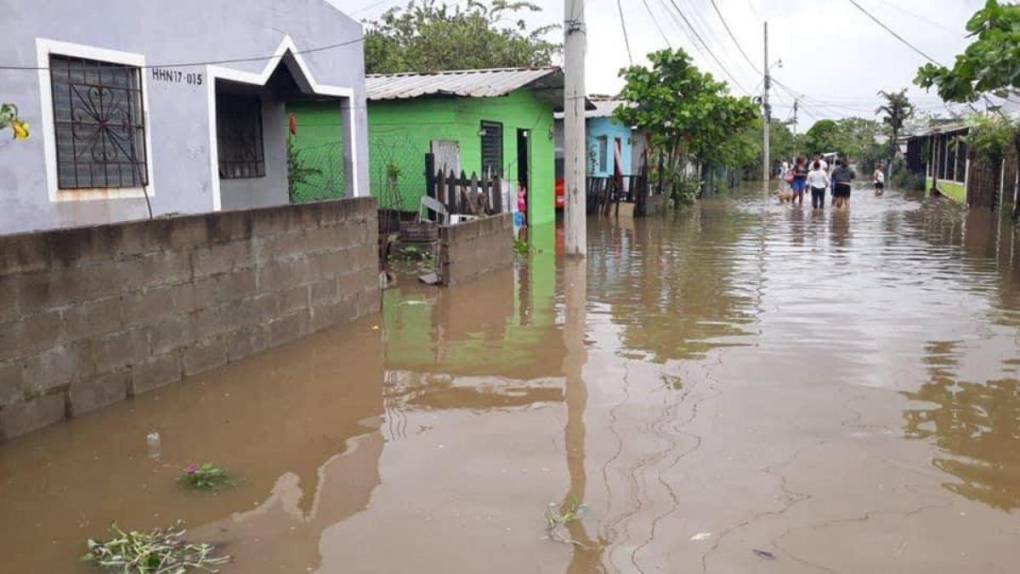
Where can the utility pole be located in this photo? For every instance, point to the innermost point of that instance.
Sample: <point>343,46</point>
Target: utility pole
<point>574,45</point>
<point>796,107</point>
<point>766,162</point>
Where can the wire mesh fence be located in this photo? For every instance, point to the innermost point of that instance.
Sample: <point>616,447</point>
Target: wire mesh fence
<point>315,172</point>
<point>396,172</point>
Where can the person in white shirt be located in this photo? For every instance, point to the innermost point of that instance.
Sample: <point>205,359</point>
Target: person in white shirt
<point>818,181</point>
<point>879,179</point>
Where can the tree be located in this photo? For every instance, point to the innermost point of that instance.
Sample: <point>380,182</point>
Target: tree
<point>425,36</point>
<point>895,112</point>
<point>990,64</point>
<point>823,137</point>
<point>688,115</point>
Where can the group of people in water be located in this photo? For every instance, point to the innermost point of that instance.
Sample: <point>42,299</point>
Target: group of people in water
<point>816,176</point>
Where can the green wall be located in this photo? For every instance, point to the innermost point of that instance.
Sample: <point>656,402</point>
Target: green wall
<point>401,131</point>
<point>319,146</point>
<point>952,190</point>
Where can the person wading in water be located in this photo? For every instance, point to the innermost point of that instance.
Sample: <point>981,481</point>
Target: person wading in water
<point>800,173</point>
<point>818,181</point>
<point>841,178</point>
<point>879,179</point>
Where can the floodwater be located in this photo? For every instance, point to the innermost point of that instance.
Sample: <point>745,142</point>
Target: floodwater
<point>741,387</point>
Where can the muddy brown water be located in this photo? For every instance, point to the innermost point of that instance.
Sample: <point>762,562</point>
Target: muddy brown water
<point>742,387</point>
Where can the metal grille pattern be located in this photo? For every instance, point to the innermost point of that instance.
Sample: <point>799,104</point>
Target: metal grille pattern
<point>99,124</point>
<point>239,136</point>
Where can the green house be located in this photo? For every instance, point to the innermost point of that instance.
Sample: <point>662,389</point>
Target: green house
<point>496,121</point>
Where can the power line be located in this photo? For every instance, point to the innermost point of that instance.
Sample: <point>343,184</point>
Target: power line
<point>656,22</point>
<point>709,50</point>
<point>895,35</point>
<point>734,38</point>
<point>623,24</point>
<point>215,62</point>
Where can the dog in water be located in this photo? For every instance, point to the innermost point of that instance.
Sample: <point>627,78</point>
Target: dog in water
<point>784,195</point>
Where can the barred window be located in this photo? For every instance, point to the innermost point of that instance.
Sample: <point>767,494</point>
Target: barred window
<point>492,147</point>
<point>239,136</point>
<point>99,125</point>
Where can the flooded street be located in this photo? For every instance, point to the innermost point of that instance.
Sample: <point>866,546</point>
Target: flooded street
<point>740,387</point>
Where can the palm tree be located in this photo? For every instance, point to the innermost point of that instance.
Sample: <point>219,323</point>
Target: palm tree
<point>896,111</point>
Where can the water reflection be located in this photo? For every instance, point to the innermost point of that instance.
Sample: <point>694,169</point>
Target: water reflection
<point>976,426</point>
<point>673,284</point>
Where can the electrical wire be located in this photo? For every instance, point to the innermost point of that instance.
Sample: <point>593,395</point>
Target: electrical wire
<point>623,24</point>
<point>893,32</point>
<point>656,22</point>
<point>734,38</point>
<point>214,62</point>
<point>709,50</point>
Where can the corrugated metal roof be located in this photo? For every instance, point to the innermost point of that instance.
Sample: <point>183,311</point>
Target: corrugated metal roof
<point>598,107</point>
<point>487,83</point>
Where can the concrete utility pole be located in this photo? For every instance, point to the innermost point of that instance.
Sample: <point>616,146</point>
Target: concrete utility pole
<point>766,162</point>
<point>574,45</point>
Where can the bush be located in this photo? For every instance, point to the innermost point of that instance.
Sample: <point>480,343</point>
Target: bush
<point>907,181</point>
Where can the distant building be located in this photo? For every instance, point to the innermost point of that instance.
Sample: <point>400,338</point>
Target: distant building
<point>182,103</point>
<point>497,121</point>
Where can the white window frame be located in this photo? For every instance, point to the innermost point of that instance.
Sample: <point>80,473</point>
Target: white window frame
<point>286,46</point>
<point>44,49</point>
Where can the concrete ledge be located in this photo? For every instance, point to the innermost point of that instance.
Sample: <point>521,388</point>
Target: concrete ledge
<point>469,250</point>
<point>92,315</point>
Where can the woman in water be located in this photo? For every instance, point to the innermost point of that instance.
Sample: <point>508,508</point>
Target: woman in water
<point>800,173</point>
<point>879,179</point>
<point>818,181</point>
<point>841,178</point>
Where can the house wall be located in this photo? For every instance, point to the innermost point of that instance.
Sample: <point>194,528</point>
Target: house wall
<point>401,132</point>
<point>92,315</point>
<point>611,129</point>
<point>178,115</point>
<point>271,189</point>
<point>319,146</point>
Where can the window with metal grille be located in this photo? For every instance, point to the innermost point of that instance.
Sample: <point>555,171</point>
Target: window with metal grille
<point>98,124</point>
<point>239,136</point>
<point>492,148</point>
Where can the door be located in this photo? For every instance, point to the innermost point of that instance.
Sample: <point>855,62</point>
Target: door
<point>524,166</point>
<point>447,156</point>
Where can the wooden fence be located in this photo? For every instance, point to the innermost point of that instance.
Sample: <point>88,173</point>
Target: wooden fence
<point>461,194</point>
<point>605,194</point>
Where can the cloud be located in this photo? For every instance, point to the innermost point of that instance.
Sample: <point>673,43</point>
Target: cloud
<point>830,51</point>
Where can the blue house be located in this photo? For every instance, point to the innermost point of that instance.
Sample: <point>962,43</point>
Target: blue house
<point>614,149</point>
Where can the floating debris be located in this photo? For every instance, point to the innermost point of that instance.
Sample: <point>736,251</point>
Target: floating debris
<point>162,551</point>
<point>701,536</point>
<point>764,554</point>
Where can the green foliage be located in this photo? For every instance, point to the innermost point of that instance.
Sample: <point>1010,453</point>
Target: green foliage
<point>823,137</point>
<point>9,119</point>
<point>206,476</point>
<point>896,110</point>
<point>689,117</point>
<point>429,36</point>
<point>297,172</point>
<point>162,551</point>
<point>991,63</point>
<point>990,136</point>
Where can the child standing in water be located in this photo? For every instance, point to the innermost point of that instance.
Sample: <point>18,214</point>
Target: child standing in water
<point>879,179</point>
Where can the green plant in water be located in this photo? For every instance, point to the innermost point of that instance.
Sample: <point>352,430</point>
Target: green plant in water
<point>161,551</point>
<point>562,515</point>
<point>206,476</point>
<point>521,247</point>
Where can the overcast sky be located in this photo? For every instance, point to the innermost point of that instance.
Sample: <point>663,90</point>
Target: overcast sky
<point>832,55</point>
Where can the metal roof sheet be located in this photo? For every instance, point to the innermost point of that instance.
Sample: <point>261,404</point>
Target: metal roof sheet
<point>488,83</point>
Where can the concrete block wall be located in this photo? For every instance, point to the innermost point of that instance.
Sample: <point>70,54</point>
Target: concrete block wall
<point>471,249</point>
<point>90,316</point>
